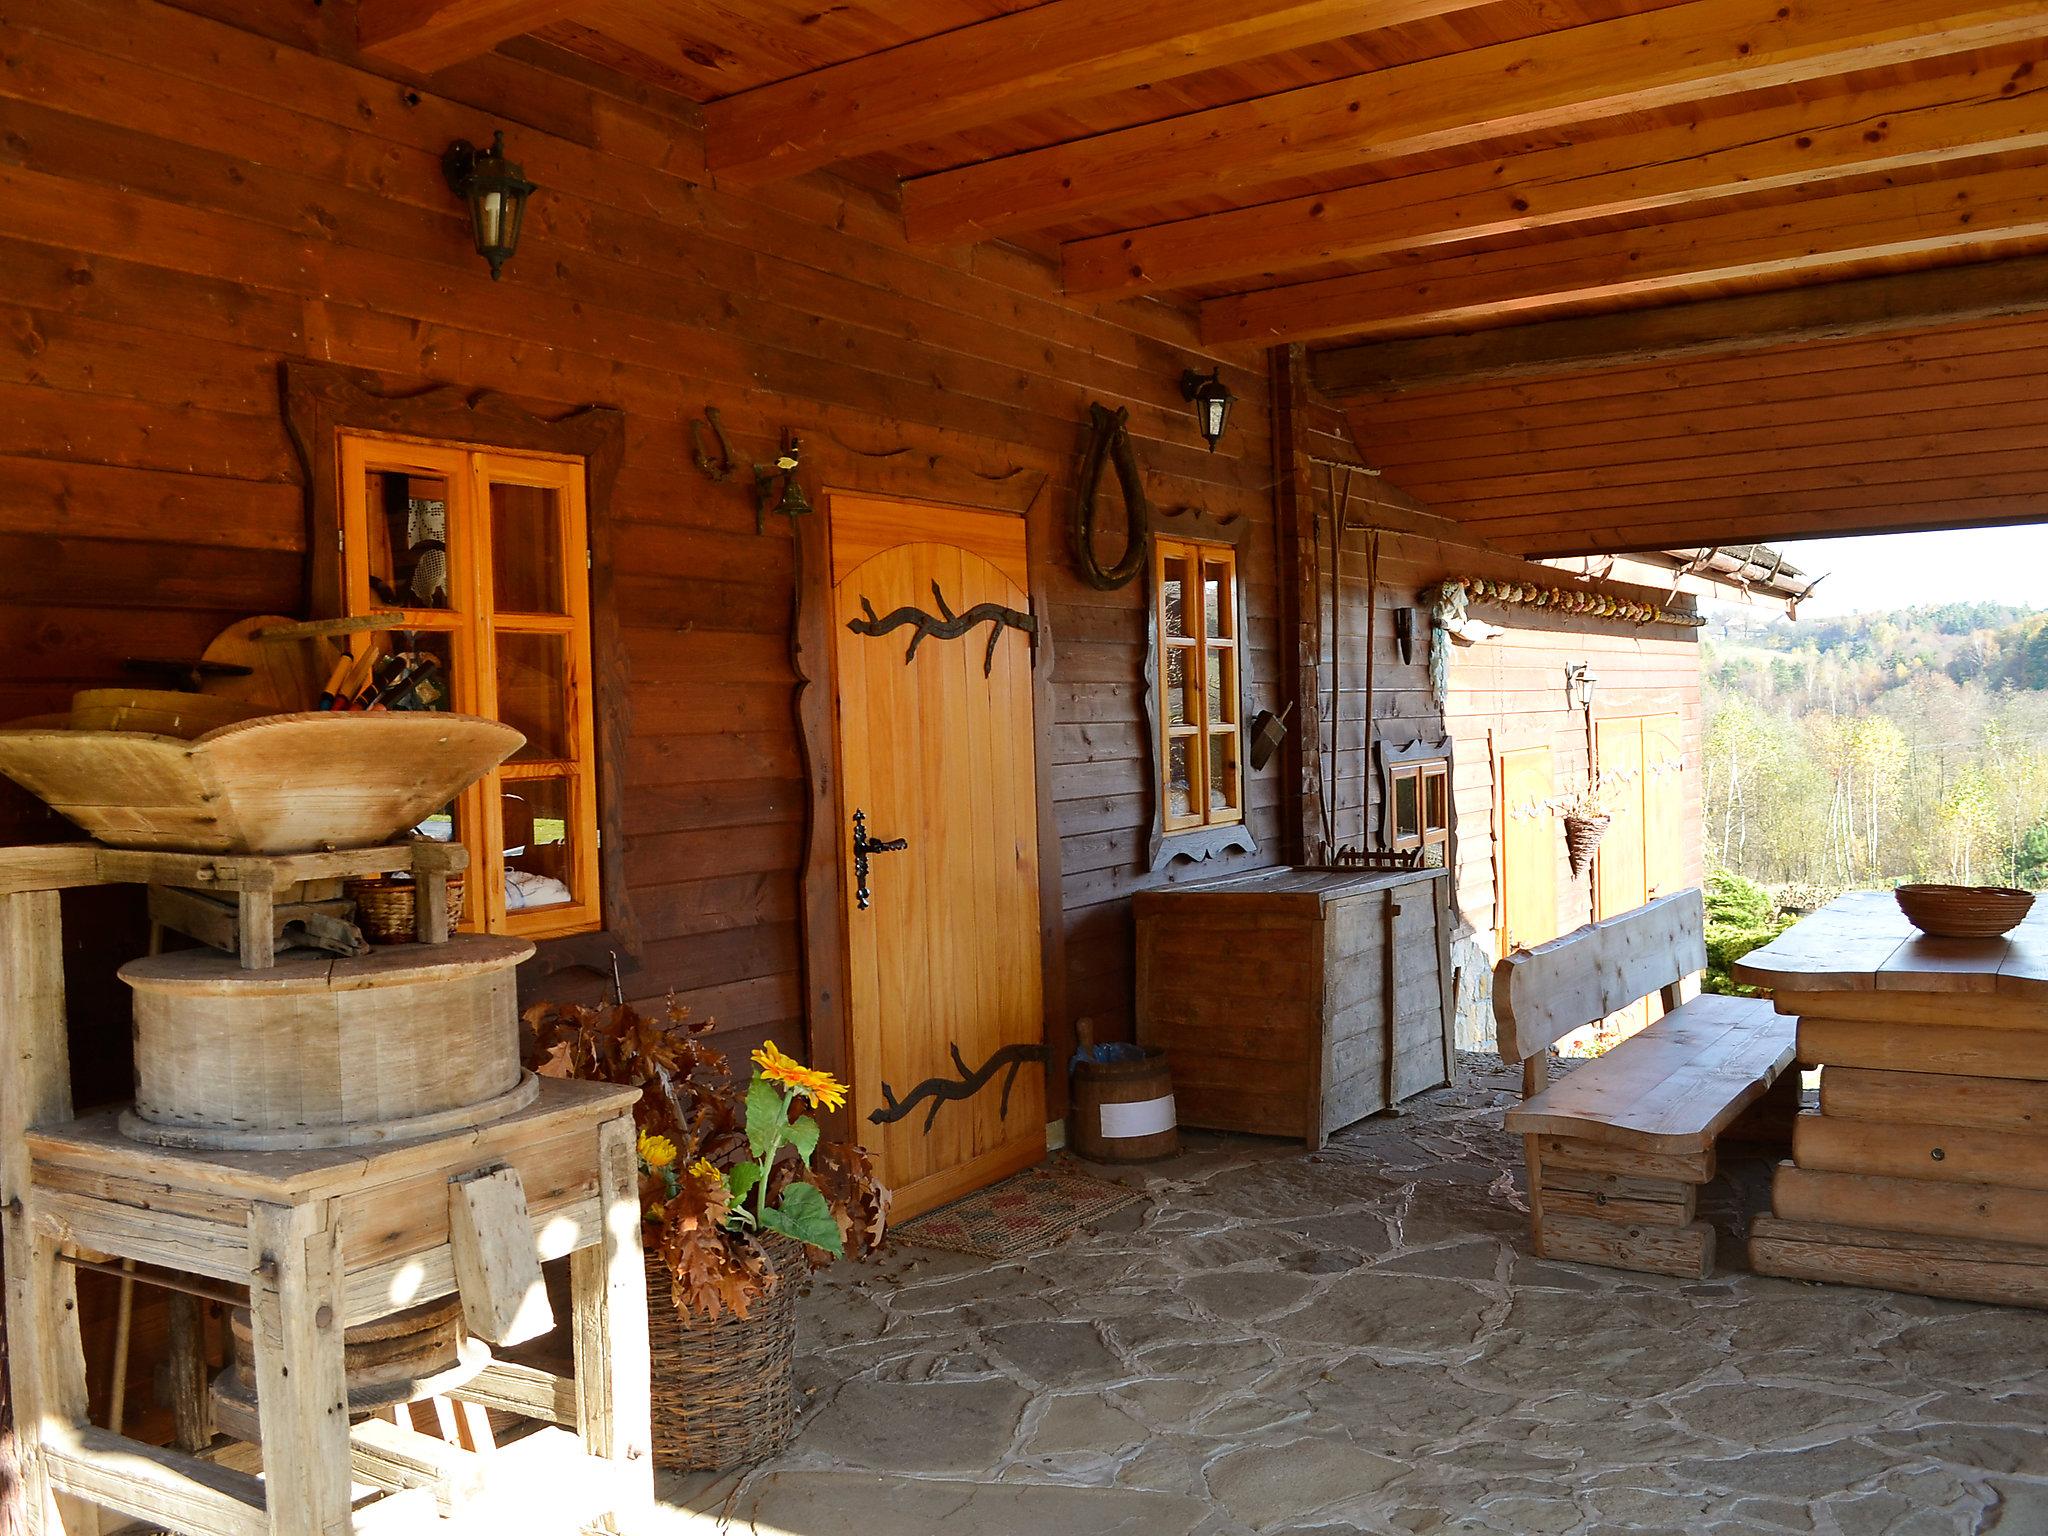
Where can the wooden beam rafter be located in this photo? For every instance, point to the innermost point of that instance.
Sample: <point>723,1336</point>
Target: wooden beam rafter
<point>1981,111</point>
<point>1026,61</point>
<point>427,35</point>
<point>1688,52</point>
<point>1922,222</point>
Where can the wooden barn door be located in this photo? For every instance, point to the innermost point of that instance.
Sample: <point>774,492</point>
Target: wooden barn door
<point>1664,837</point>
<point>1640,760</point>
<point>936,750</point>
<point>1527,849</point>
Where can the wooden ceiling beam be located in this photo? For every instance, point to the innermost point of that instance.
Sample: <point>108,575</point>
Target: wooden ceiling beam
<point>1027,61</point>
<point>1766,516</point>
<point>1984,110</point>
<point>426,35</point>
<point>1922,222</point>
<point>1687,52</point>
<point>1764,523</point>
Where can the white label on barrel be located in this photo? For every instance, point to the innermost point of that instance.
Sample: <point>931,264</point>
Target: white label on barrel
<point>1147,1117</point>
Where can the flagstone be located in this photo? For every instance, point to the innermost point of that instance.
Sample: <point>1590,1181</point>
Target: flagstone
<point>1296,1345</point>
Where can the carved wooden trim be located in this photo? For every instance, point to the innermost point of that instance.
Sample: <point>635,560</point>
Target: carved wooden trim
<point>1194,843</point>
<point>322,400</point>
<point>821,900</point>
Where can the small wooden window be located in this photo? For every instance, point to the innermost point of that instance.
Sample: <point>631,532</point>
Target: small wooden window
<point>1415,785</point>
<point>484,552</point>
<point>1200,741</point>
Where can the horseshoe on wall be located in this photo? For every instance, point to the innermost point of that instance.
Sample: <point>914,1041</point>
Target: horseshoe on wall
<point>1109,436</point>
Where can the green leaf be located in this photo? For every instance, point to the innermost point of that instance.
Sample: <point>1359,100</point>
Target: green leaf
<point>803,1135</point>
<point>742,1180</point>
<point>767,1119</point>
<point>805,1216</point>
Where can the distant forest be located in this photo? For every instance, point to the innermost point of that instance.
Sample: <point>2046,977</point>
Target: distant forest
<point>1878,748</point>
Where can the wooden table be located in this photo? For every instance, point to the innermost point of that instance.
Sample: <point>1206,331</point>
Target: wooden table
<point>1926,1168</point>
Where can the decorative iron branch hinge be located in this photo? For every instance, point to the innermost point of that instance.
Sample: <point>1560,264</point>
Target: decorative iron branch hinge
<point>948,625</point>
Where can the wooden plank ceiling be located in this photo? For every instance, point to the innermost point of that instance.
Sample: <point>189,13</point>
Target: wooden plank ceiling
<point>1589,274</point>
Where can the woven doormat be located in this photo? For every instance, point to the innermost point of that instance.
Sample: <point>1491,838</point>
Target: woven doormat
<point>1033,1210</point>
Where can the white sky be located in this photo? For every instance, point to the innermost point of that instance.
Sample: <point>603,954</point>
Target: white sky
<point>1903,570</point>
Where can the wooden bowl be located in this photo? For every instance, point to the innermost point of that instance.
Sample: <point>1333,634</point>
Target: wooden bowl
<point>1964,911</point>
<point>277,784</point>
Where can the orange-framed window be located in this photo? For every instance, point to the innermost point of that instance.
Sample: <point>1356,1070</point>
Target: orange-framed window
<point>484,555</point>
<point>1200,743</point>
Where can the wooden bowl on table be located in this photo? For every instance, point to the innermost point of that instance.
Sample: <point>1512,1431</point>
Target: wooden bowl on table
<point>1964,911</point>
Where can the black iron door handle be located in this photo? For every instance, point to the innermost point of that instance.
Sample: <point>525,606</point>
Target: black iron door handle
<point>863,845</point>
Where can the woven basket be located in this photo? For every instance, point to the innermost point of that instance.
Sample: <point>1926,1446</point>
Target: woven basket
<point>1964,911</point>
<point>385,907</point>
<point>1582,835</point>
<point>722,1390</point>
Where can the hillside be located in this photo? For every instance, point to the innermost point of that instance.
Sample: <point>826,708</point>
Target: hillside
<point>1879,747</point>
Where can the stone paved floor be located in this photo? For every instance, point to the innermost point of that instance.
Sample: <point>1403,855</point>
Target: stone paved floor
<point>1356,1341</point>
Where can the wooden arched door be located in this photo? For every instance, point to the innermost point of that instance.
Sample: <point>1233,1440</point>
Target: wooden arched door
<point>932,662</point>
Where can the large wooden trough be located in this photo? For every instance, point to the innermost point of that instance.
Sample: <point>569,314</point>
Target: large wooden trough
<point>296,783</point>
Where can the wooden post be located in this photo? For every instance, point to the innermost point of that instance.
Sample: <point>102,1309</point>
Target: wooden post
<point>1447,978</point>
<point>191,1406</point>
<point>46,1361</point>
<point>609,1300</point>
<point>295,1312</point>
<point>257,898</point>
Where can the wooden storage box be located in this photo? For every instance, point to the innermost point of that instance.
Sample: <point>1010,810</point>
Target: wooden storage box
<point>1292,1002</point>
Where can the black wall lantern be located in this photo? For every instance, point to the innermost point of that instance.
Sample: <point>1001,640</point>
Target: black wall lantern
<point>496,192</point>
<point>1212,399</point>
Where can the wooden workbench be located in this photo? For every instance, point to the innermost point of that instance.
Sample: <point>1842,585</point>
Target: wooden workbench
<point>1926,1166</point>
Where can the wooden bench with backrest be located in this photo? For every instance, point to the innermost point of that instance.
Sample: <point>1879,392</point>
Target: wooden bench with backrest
<point>1619,1147</point>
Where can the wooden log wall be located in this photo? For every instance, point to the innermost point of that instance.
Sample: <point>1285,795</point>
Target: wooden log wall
<point>1507,691</point>
<point>192,193</point>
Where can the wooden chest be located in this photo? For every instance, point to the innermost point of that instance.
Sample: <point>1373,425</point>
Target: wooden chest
<point>1292,1002</point>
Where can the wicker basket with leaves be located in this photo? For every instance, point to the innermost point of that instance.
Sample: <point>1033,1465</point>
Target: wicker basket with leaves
<point>740,1198</point>
<point>1586,820</point>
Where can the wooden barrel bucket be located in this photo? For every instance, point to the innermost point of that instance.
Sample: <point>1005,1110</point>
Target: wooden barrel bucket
<point>325,1052</point>
<point>1122,1111</point>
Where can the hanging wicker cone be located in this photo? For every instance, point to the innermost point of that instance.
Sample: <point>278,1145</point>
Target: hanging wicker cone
<point>723,1393</point>
<point>1582,835</point>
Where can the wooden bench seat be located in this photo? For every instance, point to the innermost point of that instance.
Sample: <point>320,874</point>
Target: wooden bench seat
<point>1618,1148</point>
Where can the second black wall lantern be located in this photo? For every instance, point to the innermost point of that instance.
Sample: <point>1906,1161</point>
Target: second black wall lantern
<point>1212,400</point>
<point>496,191</point>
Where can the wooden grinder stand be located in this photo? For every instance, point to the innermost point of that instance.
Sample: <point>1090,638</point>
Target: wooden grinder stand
<point>322,1240</point>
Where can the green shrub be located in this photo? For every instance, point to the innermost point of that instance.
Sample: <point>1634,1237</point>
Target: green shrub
<point>1741,916</point>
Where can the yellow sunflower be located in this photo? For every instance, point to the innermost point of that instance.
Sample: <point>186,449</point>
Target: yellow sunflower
<point>702,1169</point>
<point>656,1152</point>
<point>821,1088</point>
